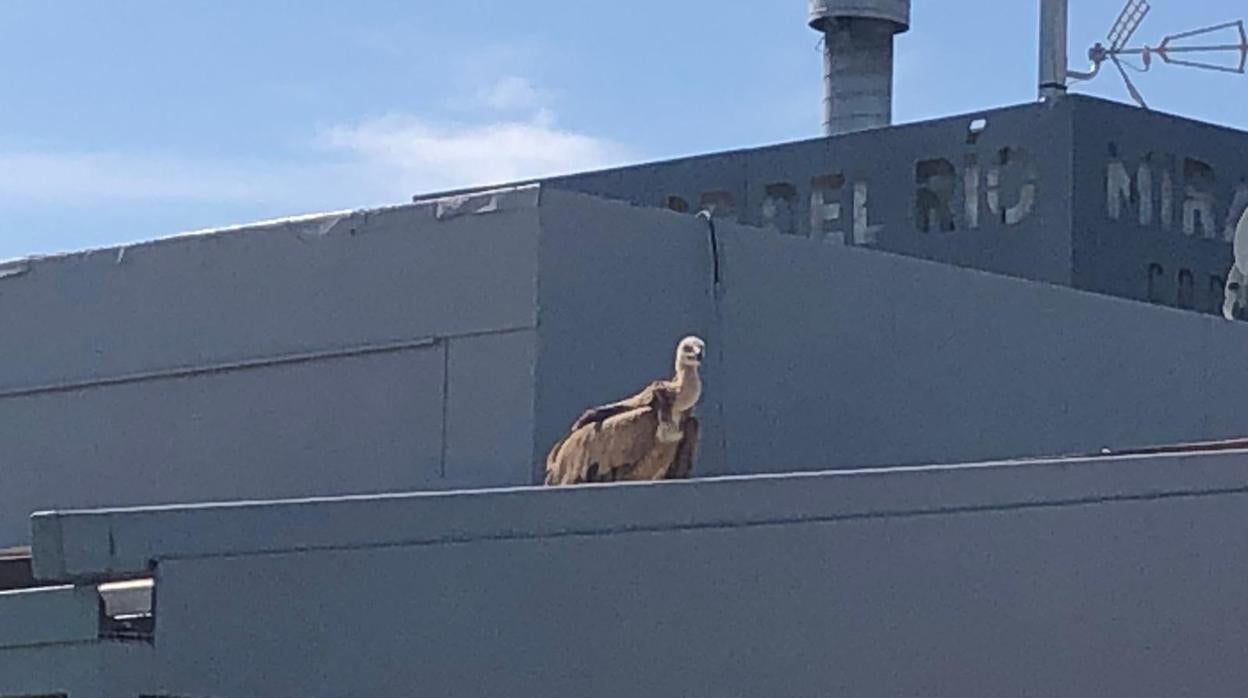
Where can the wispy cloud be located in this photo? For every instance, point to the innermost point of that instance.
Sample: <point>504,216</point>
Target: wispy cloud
<point>505,130</point>
<point>422,154</point>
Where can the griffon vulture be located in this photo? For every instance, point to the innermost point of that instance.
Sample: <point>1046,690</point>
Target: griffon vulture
<point>652,435</point>
<point>1237,278</point>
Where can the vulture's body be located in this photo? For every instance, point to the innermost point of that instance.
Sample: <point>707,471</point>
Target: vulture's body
<point>652,435</point>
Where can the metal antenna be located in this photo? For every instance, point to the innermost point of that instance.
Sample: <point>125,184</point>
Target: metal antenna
<point>1124,28</point>
<point>1131,18</point>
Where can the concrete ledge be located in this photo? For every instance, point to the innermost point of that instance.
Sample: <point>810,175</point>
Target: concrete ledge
<point>99,669</point>
<point>50,615</point>
<point>117,543</point>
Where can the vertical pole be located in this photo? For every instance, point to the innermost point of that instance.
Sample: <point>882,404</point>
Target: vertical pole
<point>1053,43</point>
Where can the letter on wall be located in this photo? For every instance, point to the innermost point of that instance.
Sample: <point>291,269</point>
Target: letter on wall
<point>780,208</point>
<point>935,182</point>
<point>825,208</point>
<point>1016,160</point>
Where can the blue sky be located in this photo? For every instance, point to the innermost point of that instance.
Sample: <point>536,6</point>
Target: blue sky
<point>134,119</point>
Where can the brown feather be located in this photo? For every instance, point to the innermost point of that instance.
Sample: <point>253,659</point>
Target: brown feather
<point>682,465</point>
<point>669,461</point>
<point>662,391</point>
<point>604,451</point>
<point>619,440</point>
<point>622,447</point>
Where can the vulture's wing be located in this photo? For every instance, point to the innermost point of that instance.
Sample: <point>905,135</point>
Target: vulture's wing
<point>658,390</point>
<point>603,452</point>
<point>682,464</point>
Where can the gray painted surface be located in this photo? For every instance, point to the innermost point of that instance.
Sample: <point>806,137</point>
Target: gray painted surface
<point>908,209</point>
<point>828,356</point>
<point>261,362</point>
<point>99,669</point>
<point>50,645</point>
<point>285,430</point>
<point>822,357</point>
<point>47,616</point>
<point>1203,162</point>
<point>489,419</point>
<point>373,277</point>
<point>98,545</point>
<point>1072,578</point>
<point>862,608</point>
<point>921,177</point>
<point>448,343</point>
<point>620,287</point>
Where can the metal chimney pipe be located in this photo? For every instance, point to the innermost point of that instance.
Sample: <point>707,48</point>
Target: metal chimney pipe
<point>858,60</point>
<point>1054,62</point>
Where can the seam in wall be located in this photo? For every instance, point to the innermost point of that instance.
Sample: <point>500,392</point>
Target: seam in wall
<point>260,362</point>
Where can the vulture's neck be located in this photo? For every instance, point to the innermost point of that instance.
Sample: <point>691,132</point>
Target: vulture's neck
<point>688,388</point>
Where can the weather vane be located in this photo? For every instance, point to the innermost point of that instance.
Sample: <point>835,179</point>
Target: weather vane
<point>1125,27</point>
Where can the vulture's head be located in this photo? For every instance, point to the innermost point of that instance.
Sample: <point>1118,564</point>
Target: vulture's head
<point>689,352</point>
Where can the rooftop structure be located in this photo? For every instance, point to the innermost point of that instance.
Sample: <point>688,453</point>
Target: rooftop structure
<point>971,427</point>
<point>858,60</point>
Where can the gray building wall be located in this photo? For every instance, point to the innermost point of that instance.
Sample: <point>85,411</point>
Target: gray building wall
<point>1070,578</point>
<point>50,645</point>
<point>1156,200</point>
<point>620,286</point>
<point>830,356</point>
<point>378,351</point>
<point>81,670</point>
<point>1029,195</point>
<point>852,324</point>
<point>330,283</point>
<point>821,356</point>
<point>996,199</point>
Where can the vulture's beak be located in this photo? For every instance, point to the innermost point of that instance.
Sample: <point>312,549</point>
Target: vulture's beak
<point>698,355</point>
